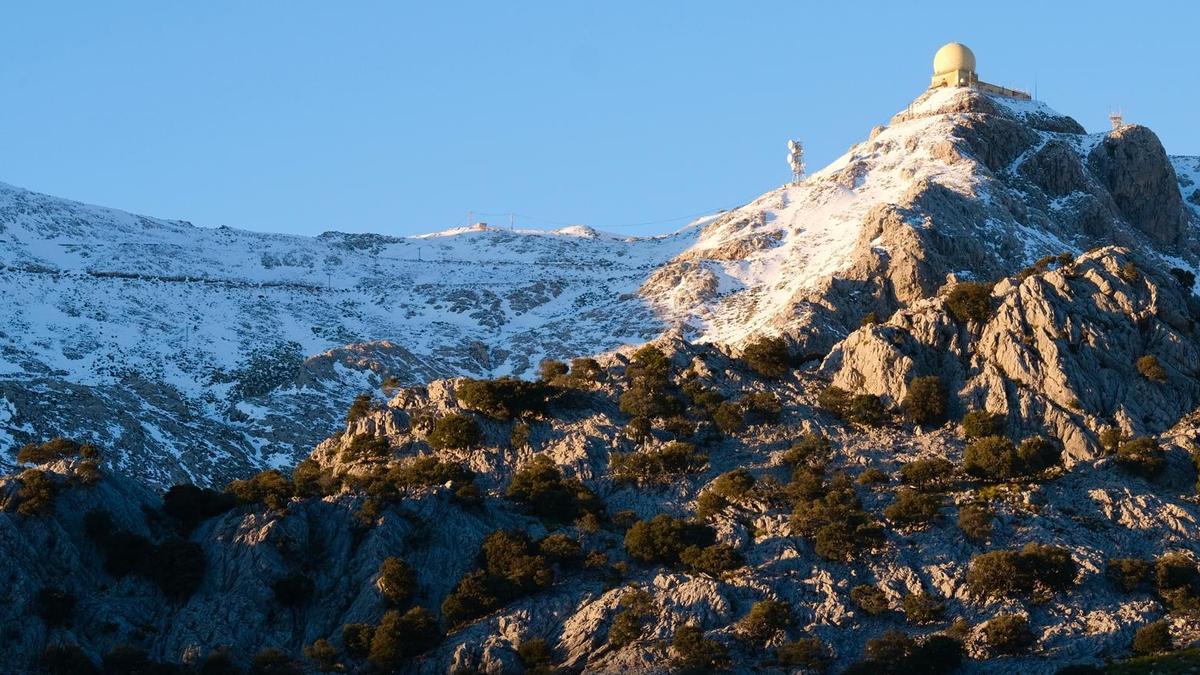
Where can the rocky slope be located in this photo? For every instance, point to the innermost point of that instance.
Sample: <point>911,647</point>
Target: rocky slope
<point>202,355</point>
<point>1019,362</point>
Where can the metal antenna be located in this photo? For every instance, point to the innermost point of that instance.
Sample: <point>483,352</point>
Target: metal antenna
<point>796,161</point>
<point>1117,119</point>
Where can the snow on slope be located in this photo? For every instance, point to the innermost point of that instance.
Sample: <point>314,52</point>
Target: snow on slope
<point>207,353</point>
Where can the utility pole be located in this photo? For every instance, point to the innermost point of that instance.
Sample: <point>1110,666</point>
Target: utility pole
<point>511,226</point>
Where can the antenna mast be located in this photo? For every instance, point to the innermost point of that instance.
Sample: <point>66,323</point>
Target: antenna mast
<point>796,161</point>
<point>1117,119</point>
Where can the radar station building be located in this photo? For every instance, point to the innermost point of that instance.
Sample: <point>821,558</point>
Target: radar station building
<point>954,66</point>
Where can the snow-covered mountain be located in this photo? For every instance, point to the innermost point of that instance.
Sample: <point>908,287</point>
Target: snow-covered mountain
<point>201,354</point>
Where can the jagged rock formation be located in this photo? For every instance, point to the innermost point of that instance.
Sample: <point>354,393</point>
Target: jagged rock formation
<point>202,355</point>
<point>1095,510</point>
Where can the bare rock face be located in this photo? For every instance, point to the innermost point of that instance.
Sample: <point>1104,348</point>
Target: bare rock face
<point>1059,353</point>
<point>1133,166</point>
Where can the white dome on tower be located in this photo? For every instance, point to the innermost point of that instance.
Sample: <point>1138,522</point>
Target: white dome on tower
<point>952,57</point>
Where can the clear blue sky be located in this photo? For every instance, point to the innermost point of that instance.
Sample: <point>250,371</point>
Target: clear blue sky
<point>400,117</point>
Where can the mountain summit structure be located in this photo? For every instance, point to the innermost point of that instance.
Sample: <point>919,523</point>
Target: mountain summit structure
<point>954,66</point>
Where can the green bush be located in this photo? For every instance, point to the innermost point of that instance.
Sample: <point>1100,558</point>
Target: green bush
<point>1177,581</point>
<point>357,638</point>
<point>1153,638</point>
<point>870,599</point>
<point>561,549</point>
<point>807,654</point>
<point>359,408</point>
<point>454,432</point>
<point>812,449</point>
<point>926,401</point>
<point>55,606</point>
<point>695,653</point>
<point>1034,571</point>
<point>271,661</point>
<point>1149,368</point>
<point>270,488</point>
<point>912,507</point>
<point>535,656</point>
<point>663,539</point>
<point>657,465</point>
<point>512,566</point>
<point>550,370</point>
<point>895,652</point>
<point>1130,574</point>
<point>428,471</point>
<point>1008,633</point>
<point>728,418</point>
<point>733,485</point>
<point>55,449</point>
<point>191,505</point>
<point>836,524</point>
<point>36,495</point>
<point>864,409</point>
<point>400,636</point>
<point>397,581</point>
<point>925,473</point>
<point>872,476</point>
<point>1141,457</point>
<point>585,371</point>
<point>638,429</point>
<point>366,448</point>
<point>762,406</point>
<point>541,488</point>
<point>765,620</point>
<point>922,608</point>
<point>714,560</point>
<point>975,521</point>
<point>768,356</point>
<point>177,567</point>
<point>653,402</point>
<point>1129,272</point>
<point>651,365</point>
<point>503,398</point>
<point>294,590</point>
<point>981,423</point>
<point>970,301</point>
<point>637,607</point>
<point>996,458</point>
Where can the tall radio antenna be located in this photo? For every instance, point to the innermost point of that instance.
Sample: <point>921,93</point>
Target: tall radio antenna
<point>796,161</point>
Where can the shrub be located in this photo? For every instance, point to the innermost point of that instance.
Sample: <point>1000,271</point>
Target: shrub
<point>925,473</point>
<point>728,417</point>
<point>650,364</point>
<point>922,608</point>
<point>657,465</point>
<point>768,356</point>
<point>535,656</point>
<point>359,408</point>
<point>870,599</point>
<point>177,567</point>
<point>836,523</point>
<point>585,370</point>
<point>996,458</point>
<point>35,497</point>
<point>926,400</point>
<point>981,423</point>
<point>428,471</point>
<point>1111,439</point>
<point>975,521</point>
<point>56,607</point>
<point>872,476</point>
<point>454,432</point>
<point>294,590</point>
<point>867,410</point>
<point>400,636</point>
<point>835,400</point>
<point>512,566</point>
<point>357,638</point>
<point>704,399</point>
<point>366,448</point>
<point>869,319</point>
<point>561,548</point>
<point>765,620</point>
<point>191,505</point>
<point>709,504</point>
<point>1129,272</point>
<point>1129,574</point>
<point>643,400</point>
<point>1141,456</point>
<point>637,608</point>
<point>55,449</point>
<point>733,485</point>
<point>270,488</point>
<point>713,560</point>
<point>695,653</point>
<point>811,450</point>
<point>397,581</point>
<point>663,539</point>
<point>1186,278</point>
<point>1177,580</point>
<point>895,652</point>
<point>503,398</point>
<point>912,507</point>
<point>762,406</point>
<point>1035,571</point>
<point>1153,638</point>
<point>1149,368</point>
<point>550,370</point>
<point>271,661</point>
<point>808,653</point>
<point>519,436</point>
<point>323,655</point>
<point>65,659</point>
<point>638,429</point>
<point>1008,633</point>
<point>541,488</point>
<point>970,301</point>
